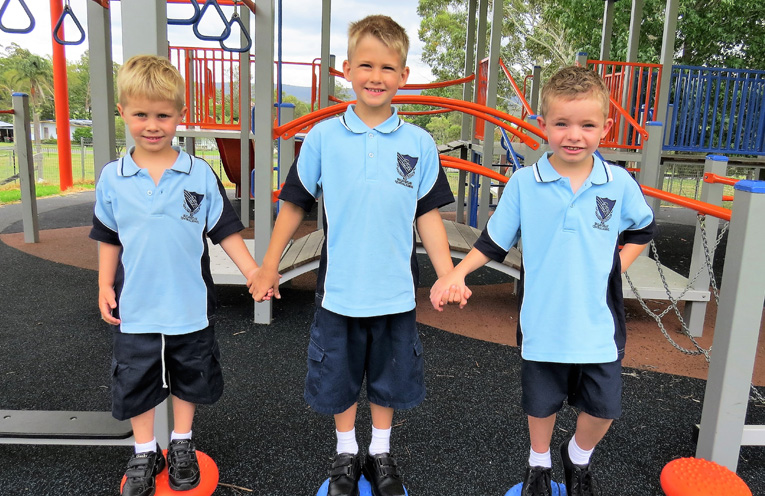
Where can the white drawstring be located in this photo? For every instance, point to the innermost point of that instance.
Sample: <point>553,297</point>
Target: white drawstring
<point>164,372</point>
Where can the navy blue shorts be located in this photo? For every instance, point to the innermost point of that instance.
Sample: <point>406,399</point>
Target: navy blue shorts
<point>342,350</point>
<point>594,388</point>
<point>192,370</point>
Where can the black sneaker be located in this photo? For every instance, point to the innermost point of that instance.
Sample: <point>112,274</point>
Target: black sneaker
<point>182,465</point>
<point>538,481</point>
<point>579,480</point>
<point>141,473</point>
<point>383,475</point>
<point>344,475</point>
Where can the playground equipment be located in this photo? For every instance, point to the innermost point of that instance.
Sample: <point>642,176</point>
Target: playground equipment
<point>722,428</point>
<point>699,477</point>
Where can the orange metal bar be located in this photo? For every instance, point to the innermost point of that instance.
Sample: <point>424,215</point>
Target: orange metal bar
<point>461,164</point>
<point>698,206</point>
<point>727,198</point>
<point>439,84</point>
<point>628,118</point>
<point>61,92</point>
<point>526,107</point>
<point>714,178</point>
<point>249,3</point>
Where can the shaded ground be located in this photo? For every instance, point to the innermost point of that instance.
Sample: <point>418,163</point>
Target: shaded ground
<point>469,436</point>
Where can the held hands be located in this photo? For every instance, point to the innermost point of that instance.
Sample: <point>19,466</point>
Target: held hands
<point>263,283</point>
<point>107,301</point>
<point>449,288</point>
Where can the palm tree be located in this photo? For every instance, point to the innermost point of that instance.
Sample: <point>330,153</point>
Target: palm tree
<point>26,72</point>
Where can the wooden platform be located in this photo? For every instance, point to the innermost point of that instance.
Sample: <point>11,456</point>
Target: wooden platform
<point>303,254</point>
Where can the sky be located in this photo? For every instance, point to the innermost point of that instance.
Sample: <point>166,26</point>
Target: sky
<point>301,33</point>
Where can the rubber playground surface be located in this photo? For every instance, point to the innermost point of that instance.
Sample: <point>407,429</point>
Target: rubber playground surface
<point>469,437</point>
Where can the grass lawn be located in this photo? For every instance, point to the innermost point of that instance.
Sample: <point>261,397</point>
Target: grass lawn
<point>10,193</point>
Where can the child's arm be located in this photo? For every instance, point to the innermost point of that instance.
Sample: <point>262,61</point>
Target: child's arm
<point>434,239</point>
<point>265,280</point>
<point>234,246</point>
<point>108,258</point>
<point>628,254</point>
<point>443,290</point>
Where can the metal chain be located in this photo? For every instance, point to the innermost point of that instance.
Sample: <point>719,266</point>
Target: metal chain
<point>755,395</point>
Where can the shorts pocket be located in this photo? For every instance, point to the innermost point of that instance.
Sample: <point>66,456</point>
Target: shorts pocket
<point>315,359</point>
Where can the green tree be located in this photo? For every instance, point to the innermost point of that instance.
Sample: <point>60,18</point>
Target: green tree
<point>25,72</point>
<point>78,80</point>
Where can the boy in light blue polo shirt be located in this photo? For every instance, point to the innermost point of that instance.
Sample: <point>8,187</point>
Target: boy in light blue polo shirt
<point>569,209</point>
<point>379,176</point>
<point>155,207</point>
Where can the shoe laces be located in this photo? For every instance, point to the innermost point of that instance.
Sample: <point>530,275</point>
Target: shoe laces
<point>583,483</point>
<point>183,454</point>
<point>539,483</point>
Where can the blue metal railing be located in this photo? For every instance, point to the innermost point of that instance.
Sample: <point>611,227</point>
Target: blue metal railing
<point>716,111</point>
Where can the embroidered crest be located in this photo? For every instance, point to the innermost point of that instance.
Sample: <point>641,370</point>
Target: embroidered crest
<point>191,203</point>
<point>405,167</point>
<point>603,210</point>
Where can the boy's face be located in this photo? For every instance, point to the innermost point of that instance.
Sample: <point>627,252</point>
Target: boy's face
<point>375,73</point>
<point>574,128</point>
<point>151,123</point>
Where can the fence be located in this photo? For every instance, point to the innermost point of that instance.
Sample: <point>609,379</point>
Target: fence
<point>719,111</point>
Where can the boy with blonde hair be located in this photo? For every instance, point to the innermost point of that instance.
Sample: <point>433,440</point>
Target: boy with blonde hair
<point>154,209</point>
<point>378,176</point>
<point>569,209</point>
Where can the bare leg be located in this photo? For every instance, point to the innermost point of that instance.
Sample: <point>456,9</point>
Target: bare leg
<point>540,432</point>
<point>382,416</point>
<point>183,415</point>
<point>143,427</point>
<point>590,430</point>
<point>345,421</point>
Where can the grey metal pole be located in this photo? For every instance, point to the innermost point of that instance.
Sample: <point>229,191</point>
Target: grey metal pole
<point>695,311</point>
<point>26,167</point>
<point>467,121</point>
<point>245,112</point>
<point>737,329</point>
<point>608,24</point>
<point>101,86</point>
<point>649,167</point>
<point>263,214</point>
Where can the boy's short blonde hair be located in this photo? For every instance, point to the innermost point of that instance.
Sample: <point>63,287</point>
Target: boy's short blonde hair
<point>575,82</point>
<point>385,29</point>
<point>153,78</point>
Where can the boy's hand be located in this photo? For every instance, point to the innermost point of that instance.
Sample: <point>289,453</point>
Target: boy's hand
<point>449,289</point>
<point>263,283</point>
<point>107,301</point>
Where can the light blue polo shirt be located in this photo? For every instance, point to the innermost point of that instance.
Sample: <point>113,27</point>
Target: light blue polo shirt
<point>571,311</point>
<point>163,281</point>
<point>374,182</point>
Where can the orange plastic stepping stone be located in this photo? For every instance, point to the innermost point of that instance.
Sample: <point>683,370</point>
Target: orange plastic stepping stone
<point>209,479</point>
<point>699,477</point>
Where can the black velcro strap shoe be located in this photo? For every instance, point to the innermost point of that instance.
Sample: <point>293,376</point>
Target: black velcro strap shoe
<point>182,465</point>
<point>383,475</point>
<point>141,473</point>
<point>579,480</point>
<point>344,475</point>
<point>538,482</point>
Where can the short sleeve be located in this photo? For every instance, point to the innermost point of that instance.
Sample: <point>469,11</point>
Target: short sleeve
<point>434,190</point>
<point>104,222</point>
<point>303,184</point>
<point>503,229</point>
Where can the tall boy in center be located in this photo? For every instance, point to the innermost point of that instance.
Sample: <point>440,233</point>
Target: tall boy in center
<point>379,176</point>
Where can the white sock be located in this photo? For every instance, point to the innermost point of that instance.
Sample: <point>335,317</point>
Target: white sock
<point>540,459</point>
<point>380,441</point>
<point>174,436</point>
<point>346,442</point>
<point>578,455</point>
<point>146,447</point>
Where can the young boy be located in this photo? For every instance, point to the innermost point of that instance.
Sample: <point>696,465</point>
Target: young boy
<point>569,209</point>
<point>378,176</point>
<point>154,208</point>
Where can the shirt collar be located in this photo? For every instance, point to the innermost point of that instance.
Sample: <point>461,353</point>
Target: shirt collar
<point>544,172</point>
<point>128,167</point>
<point>354,124</point>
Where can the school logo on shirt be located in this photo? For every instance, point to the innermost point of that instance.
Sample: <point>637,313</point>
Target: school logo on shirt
<point>604,208</point>
<point>405,168</point>
<point>191,203</point>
